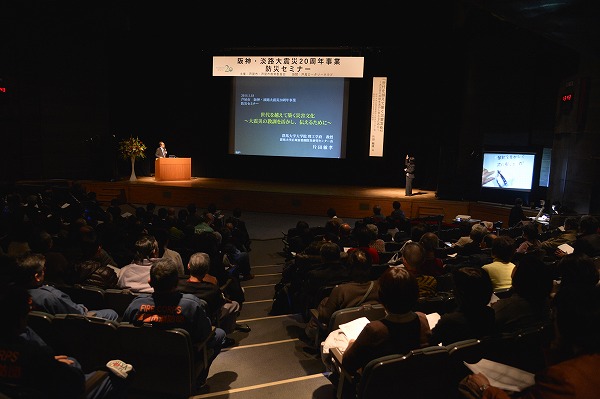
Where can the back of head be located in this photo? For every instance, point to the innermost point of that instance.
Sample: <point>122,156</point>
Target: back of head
<point>359,263</point>
<point>473,287</point>
<point>518,201</point>
<point>331,212</point>
<point>413,255</point>
<point>398,290</point>
<point>530,231</point>
<point>477,232</point>
<point>588,224</point>
<point>330,252</point>
<point>417,231</point>
<point>163,275</point>
<point>430,242</point>
<point>571,223</point>
<point>362,234</point>
<point>377,209</point>
<point>532,278</point>
<point>577,270</point>
<point>145,247</point>
<point>30,265</point>
<point>199,264</point>
<point>503,248</point>
<point>488,240</point>
<point>396,205</point>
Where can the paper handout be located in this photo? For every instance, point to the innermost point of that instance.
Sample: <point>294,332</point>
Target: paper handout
<point>503,376</point>
<point>353,328</point>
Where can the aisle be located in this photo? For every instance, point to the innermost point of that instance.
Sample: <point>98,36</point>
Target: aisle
<point>270,361</point>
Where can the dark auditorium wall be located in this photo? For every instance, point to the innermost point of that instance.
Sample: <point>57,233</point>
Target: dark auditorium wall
<point>82,77</point>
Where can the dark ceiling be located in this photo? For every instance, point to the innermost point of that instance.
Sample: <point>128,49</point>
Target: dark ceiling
<point>570,23</point>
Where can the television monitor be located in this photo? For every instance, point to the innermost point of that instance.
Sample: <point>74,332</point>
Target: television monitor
<point>508,170</point>
<point>289,117</point>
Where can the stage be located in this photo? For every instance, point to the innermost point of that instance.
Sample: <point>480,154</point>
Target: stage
<point>288,198</point>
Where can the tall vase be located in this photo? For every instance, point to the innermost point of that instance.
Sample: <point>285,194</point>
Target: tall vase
<point>133,177</point>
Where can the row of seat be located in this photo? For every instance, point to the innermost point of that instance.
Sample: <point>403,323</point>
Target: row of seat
<point>98,298</point>
<point>434,372</point>
<point>166,362</point>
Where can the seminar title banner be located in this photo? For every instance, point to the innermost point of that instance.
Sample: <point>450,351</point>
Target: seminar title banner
<point>293,67</point>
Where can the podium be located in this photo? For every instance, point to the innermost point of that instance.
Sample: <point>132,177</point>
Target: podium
<point>173,169</point>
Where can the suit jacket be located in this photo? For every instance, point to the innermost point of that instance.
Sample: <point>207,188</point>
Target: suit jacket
<point>160,153</point>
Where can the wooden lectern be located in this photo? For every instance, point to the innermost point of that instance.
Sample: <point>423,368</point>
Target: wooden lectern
<point>173,169</point>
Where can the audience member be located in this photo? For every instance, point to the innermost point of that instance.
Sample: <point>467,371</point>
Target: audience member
<point>400,331</point>
<point>240,225</point>
<point>572,372</point>
<point>500,270</point>
<point>235,256</point>
<point>531,238</point>
<point>377,216</point>
<point>473,318</point>
<point>363,236</point>
<point>567,235</point>
<point>471,245</point>
<point>529,303</point>
<point>168,308</point>
<point>48,298</point>
<point>89,271</point>
<point>413,256</point>
<point>588,239</point>
<point>358,291</point>
<point>377,243</point>
<point>136,275</point>
<point>516,215</point>
<point>578,271</point>
<point>222,311</point>
<point>330,271</point>
<point>28,363</point>
<point>162,238</point>
<point>432,265</point>
<point>346,238</point>
<point>332,215</point>
<point>58,269</point>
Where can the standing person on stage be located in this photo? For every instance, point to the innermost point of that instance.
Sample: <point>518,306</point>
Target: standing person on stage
<point>161,151</point>
<point>410,173</point>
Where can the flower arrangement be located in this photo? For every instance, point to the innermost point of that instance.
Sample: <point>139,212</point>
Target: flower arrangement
<point>132,148</point>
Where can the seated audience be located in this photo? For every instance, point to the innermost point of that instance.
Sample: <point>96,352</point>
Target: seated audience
<point>222,311</point>
<point>399,332</point>
<point>529,303</point>
<point>516,215</point>
<point>346,238</point>
<point>578,271</point>
<point>48,298</point>
<point>588,239</point>
<point>531,239</point>
<point>162,238</point>
<point>167,308</point>
<point>330,271</point>
<point>136,275</point>
<point>473,318</point>
<point>472,246</point>
<point>376,242</point>
<point>432,265</point>
<point>575,357</point>
<point>363,237</point>
<point>566,235</point>
<point>29,363</point>
<point>500,270</point>
<point>360,290</point>
<point>413,256</point>
<point>235,256</point>
<point>90,271</point>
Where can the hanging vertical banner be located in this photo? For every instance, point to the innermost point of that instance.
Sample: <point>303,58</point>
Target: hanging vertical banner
<point>377,116</point>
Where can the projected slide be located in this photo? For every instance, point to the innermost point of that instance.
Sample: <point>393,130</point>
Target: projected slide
<point>507,170</point>
<point>291,117</point>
